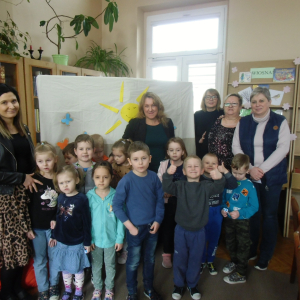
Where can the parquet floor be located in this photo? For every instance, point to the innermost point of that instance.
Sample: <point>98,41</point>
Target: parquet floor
<point>282,258</point>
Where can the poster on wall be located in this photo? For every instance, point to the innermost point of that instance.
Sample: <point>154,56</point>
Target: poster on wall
<point>70,106</point>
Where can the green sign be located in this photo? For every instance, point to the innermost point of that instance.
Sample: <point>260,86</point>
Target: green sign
<point>262,72</point>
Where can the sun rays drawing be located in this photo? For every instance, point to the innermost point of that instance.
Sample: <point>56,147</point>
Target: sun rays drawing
<point>128,111</point>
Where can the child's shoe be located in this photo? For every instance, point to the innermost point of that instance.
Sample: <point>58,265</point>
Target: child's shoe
<point>212,269</point>
<point>261,266</point>
<point>152,294</point>
<point>96,295</point>
<point>167,262</point>
<point>235,278</point>
<point>54,292</point>
<point>229,267</point>
<point>132,297</point>
<point>195,294</point>
<point>43,295</point>
<point>203,265</point>
<point>109,295</point>
<point>123,258</point>
<point>177,292</point>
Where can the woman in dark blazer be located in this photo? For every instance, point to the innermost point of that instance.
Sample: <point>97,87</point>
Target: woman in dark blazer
<point>152,127</point>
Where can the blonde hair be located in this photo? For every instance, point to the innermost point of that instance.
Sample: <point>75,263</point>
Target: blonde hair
<point>161,116</point>
<point>179,141</point>
<point>210,155</point>
<point>98,140</point>
<point>76,173</point>
<point>4,89</point>
<point>190,157</point>
<point>45,147</point>
<point>214,92</point>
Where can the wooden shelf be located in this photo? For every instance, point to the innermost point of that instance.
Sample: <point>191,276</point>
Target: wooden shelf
<point>264,82</point>
<point>296,181</point>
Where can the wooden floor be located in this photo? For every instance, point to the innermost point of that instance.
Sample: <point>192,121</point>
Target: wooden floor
<point>282,258</point>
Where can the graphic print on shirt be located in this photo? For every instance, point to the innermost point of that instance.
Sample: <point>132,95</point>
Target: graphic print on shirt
<point>245,192</point>
<point>67,211</point>
<point>49,195</point>
<point>235,196</point>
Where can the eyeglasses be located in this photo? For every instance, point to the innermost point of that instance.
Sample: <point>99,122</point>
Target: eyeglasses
<point>230,104</point>
<point>211,97</point>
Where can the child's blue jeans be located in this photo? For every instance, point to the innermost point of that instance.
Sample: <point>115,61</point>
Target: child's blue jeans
<point>144,243</point>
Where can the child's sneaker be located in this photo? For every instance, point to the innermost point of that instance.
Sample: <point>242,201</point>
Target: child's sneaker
<point>212,269</point>
<point>229,267</point>
<point>132,297</point>
<point>123,258</point>
<point>261,266</point>
<point>109,295</point>
<point>177,292</point>
<point>235,278</point>
<point>152,294</point>
<point>167,262</point>
<point>54,292</point>
<point>43,295</point>
<point>96,295</point>
<point>203,265</point>
<point>195,294</point>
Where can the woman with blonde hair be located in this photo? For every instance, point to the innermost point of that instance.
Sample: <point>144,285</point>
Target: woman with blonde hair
<point>152,127</point>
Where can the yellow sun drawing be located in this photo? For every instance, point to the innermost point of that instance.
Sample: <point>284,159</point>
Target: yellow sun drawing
<point>128,111</point>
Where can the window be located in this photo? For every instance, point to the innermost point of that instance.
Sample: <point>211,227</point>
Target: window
<point>188,46</point>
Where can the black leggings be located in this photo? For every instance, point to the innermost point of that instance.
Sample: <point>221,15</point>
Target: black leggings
<point>11,281</point>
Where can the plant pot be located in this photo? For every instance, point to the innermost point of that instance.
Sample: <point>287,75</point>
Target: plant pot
<point>60,59</point>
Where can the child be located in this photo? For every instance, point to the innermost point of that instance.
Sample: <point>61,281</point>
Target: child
<point>84,149</point>
<point>191,217</point>
<point>214,225</point>
<point>141,193</point>
<point>120,163</point>
<point>72,233</point>
<point>69,154</point>
<point>42,209</point>
<point>176,153</point>
<point>99,148</point>
<point>107,230</point>
<point>237,207</point>
<point>121,167</point>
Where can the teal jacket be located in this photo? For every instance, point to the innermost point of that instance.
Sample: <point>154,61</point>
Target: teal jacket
<point>107,229</point>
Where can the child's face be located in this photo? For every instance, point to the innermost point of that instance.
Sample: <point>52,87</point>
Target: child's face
<point>119,156</point>
<point>46,162</point>
<point>192,169</point>
<point>175,151</point>
<point>98,154</point>
<point>70,159</point>
<point>84,151</point>
<point>102,178</point>
<point>140,161</point>
<point>67,183</point>
<point>240,174</point>
<point>209,163</point>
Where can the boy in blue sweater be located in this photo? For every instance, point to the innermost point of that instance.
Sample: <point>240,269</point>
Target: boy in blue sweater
<point>238,206</point>
<point>140,191</point>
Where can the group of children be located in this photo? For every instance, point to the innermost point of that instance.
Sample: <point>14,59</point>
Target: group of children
<point>100,205</point>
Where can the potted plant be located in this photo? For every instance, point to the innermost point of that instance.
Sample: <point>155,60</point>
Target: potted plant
<point>10,38</point>
<point>107,61</point>
<point>80,23</point>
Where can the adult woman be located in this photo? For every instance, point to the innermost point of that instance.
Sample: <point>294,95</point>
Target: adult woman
<point>265,137</point>
<point>16,168</point>
<point>152,127</point>
<point>205,119</point>
<point>221,134</point>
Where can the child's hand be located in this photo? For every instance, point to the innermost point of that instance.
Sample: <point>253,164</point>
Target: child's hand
<point>166,195</point>
<point>87,248</point>
<point>215,174</point>
<point>202,138</point>
<point>52,224</point>
<point>118,247</point>
<point>52,243</point>
<point>224,213</point>
<point>172,168</point>
<point>222,169</point>
<point>154,227</point>
<point>134,231</point>
<point>234,214</point>
<point>111,159</point>
<point>30,235</point>
<point>93,247</point>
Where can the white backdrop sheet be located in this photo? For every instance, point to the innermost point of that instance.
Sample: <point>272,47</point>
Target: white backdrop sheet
<point>80,97</point>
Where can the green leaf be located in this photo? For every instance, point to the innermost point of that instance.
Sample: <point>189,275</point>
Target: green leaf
<point>42,23</point>
<point>85,27</point>
<point>107,0</point>
<point>111,23</point>
<point>25,46</point>
<point>12,33</point>
<point>93,22</point>
<point>62,39</point>
<point>76,45</point>
<point>58,30</point>
<point>116,13</point>
<point>106,16</point>
<point>5,24</point>
<point>20,35</point>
